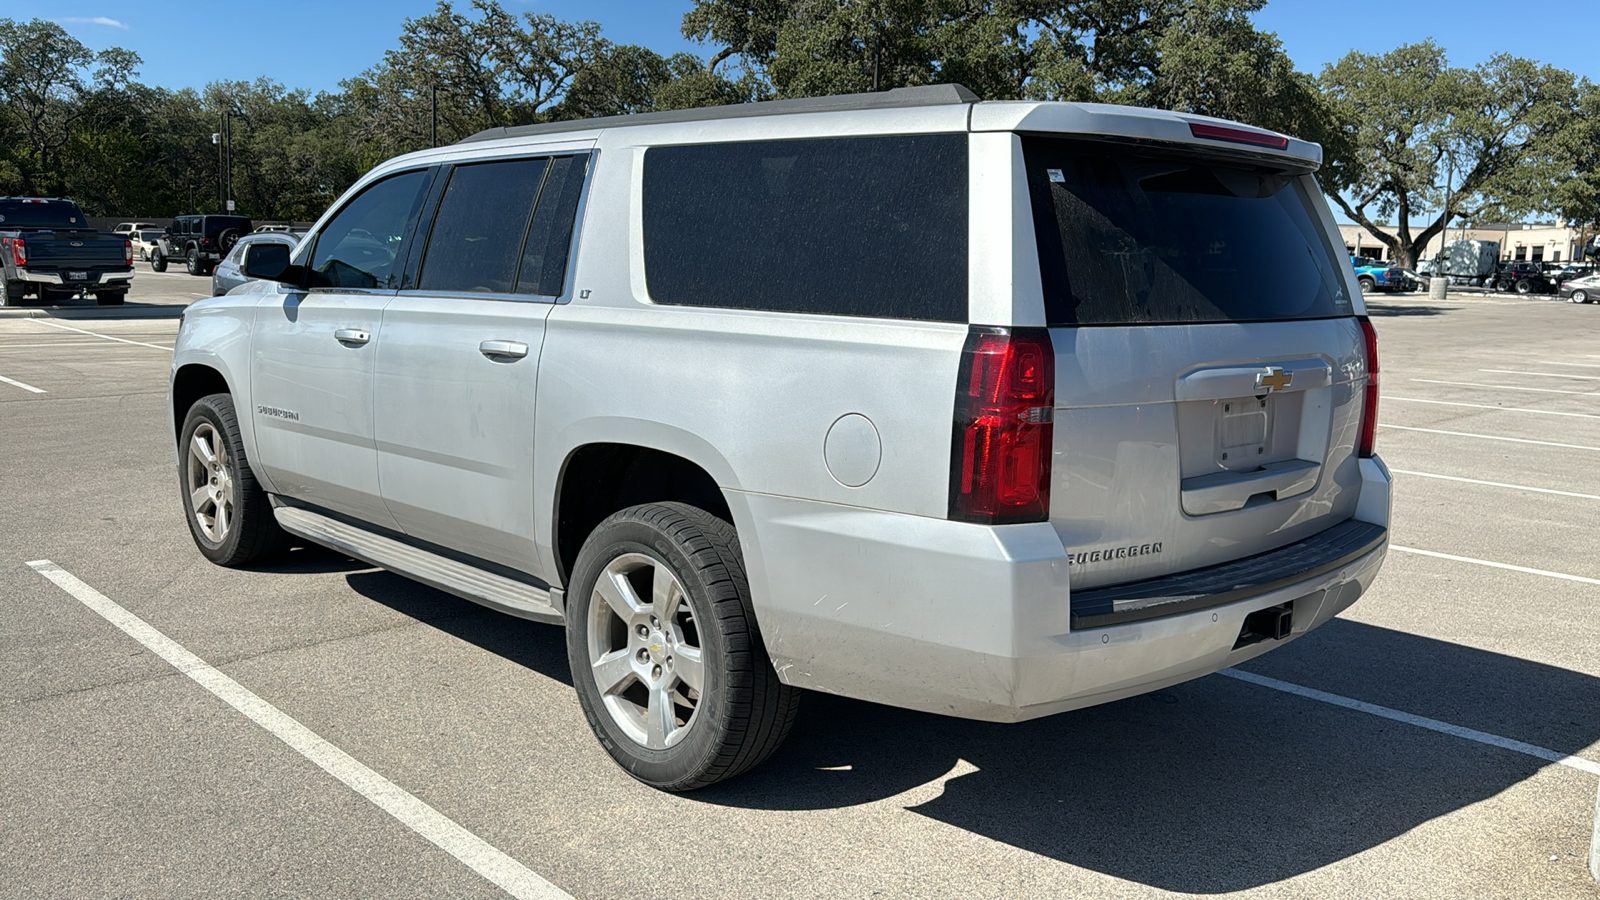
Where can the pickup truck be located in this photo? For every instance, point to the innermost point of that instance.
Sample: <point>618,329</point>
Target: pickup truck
<point>1373,275</point>
<point>49,250</point>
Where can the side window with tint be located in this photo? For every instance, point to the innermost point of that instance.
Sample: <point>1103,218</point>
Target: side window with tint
<point>362,245</point>
<point>870,226</point>
<point>478,232</point>
<point>544,261</point>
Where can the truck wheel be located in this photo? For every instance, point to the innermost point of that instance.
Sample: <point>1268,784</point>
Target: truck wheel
<point>666,658</point>
<point>1524,286</point>
<point>158,261</point>
<point>110,298</point>
<point>1367,284</point>
<point>13,295</point>
<point>191,262</point>
<point>228,512</point>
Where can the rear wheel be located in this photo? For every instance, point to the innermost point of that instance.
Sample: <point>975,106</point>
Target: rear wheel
<point>158,261</point>
<point>1524,286</point>
<point>229,514</point>
<point>191,262</point>
<point>1367,284</point>
<point>13,294</point>
<point>666,658</point>
<point>1579,297</point>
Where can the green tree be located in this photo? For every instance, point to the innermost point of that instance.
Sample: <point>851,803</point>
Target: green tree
<point>1415,123</point>
<point>48,81</point>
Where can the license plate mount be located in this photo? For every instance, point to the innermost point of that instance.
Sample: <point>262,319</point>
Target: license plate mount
<point>77,276</point>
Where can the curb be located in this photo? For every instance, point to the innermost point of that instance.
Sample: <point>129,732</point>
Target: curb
<point>171,311</point>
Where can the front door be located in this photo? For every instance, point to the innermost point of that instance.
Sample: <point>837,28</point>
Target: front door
<point>458,365</point>
<point>312,354</point>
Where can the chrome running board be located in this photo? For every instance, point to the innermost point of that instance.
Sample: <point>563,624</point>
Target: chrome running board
<point>494,591</point>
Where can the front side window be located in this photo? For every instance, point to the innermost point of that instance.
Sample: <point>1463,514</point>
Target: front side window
<point>859,226</point>
<point>362,245</point>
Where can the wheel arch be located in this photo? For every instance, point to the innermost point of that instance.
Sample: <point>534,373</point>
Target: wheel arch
<point>603,475</point>
<point>190,382</point>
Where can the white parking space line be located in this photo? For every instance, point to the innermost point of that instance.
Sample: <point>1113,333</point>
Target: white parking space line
<point>1541,374</point>
<point>1509,387</point>
<point>1489,437</point>
<point>1471,734</point>
<point>1520,409</point>
<point>1581,579</point>
<point>53,344</point>
<point>27,387</point>
<point>476,853</point>
<point>1498,484</point>
<point>102,336</point>
<point>1581,365</point>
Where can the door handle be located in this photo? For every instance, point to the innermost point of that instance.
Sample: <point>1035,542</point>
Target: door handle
<point>351,336</point>
<point>508,349</point>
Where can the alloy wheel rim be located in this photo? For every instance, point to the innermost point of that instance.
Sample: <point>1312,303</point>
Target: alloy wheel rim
<point>644,651</point>
<point>210,483</point>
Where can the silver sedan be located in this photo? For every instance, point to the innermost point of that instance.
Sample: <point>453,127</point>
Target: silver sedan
<point>229,273</point>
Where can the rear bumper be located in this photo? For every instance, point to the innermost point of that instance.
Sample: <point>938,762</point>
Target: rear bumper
<point>976,621</point>
<point>109,279</point>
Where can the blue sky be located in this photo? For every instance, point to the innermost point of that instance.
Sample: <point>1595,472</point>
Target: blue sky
<point>315,44</point>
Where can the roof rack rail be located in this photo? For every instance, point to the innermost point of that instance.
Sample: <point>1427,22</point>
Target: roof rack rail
<point>897,98</point>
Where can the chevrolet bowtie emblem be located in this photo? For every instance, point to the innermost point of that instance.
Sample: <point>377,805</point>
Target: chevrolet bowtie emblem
<point>1273,379</point>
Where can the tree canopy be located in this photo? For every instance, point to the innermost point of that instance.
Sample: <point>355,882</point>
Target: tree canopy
<point>1394,126</point>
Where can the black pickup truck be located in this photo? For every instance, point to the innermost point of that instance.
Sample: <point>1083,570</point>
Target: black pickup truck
<point>49,250</point>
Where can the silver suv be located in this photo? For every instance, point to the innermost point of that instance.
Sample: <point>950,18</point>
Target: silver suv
<point>987,409</point>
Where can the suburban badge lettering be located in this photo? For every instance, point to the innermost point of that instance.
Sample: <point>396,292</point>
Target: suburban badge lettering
<point>1110,553</point>
<point>277,413</point>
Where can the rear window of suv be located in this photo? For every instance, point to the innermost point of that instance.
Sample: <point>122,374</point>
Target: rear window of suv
<point>1132,235</point>
<point>868,226</point>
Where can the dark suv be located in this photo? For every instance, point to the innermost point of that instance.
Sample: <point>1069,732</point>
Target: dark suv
<point>200,241</point>
<point>1523,277</point>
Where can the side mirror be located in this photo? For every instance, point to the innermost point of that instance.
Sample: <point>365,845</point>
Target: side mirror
<point>270,262</point>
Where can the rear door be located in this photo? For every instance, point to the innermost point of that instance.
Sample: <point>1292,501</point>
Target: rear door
<point>458,364</point>
<point>1209,364</point>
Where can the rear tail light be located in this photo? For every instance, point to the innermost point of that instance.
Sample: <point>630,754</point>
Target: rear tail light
<point>127,251</point>
<point>1369,408</point>
<point>1004,414</point>
<point>205,242</point>
<point>19,251</point>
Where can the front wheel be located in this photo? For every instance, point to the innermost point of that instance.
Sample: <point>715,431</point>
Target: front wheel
<point>229,515</point>
<point>666,658</point>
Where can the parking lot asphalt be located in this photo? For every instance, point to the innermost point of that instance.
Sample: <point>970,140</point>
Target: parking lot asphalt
<point>122,776</point>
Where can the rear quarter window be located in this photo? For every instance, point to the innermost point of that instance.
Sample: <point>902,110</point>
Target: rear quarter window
<point>871,226</point>
<point>1133,235</point>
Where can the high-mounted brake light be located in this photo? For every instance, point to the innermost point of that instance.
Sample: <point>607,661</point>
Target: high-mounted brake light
<point>127,251</point>
<point>1004,414</point>
<point>19,251</point>
<point>1238,136</point>
<point>1369,406</point>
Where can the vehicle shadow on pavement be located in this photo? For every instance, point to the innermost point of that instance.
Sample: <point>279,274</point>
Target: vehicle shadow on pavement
<point>1215,785</point>
<point>533,645</point>
<point>90,311</point>
<point>1387,310</point>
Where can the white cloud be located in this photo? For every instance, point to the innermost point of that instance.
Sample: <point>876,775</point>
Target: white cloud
<point>95,20</point>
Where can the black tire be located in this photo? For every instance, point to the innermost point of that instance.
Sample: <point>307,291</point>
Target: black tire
<point>1524,286</point>
<point>742,712</point>
<point>227,239</point>
<point>13,294</point>
<point>1367,284</point>
<point>158,261</point>
<point>251,533</point>
<point>192,263</point>
<point>110,298</point>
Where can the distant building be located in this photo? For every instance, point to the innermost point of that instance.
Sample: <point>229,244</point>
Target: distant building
<point>1519,241</point>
